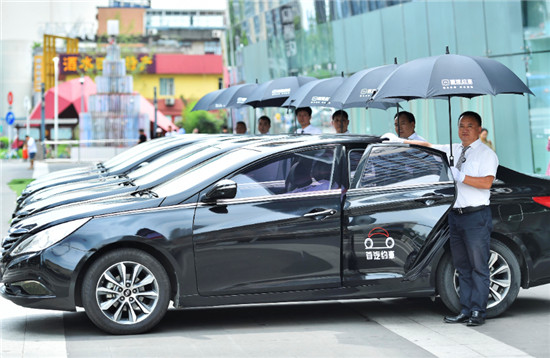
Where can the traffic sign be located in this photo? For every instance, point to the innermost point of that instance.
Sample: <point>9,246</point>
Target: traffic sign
<point>10,118</point>
<point>10,98</point>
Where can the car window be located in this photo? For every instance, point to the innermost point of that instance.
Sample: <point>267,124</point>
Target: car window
<point>396,166</point>
<point>299,172</point>
<point>354,156</point>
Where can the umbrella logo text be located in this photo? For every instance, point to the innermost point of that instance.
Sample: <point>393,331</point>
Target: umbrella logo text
<point>366,92</point>
<point>319,99</point>
<point>457,83</point>
<point>281,92</point>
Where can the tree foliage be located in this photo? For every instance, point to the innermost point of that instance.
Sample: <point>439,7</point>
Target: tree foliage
<point>204,121</point>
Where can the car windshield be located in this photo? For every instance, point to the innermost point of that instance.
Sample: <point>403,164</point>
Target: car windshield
<point>142,157</point>
<point>182,160</point>
<point>133,151</point>
<point>166,163</point>
<point>204,172</point>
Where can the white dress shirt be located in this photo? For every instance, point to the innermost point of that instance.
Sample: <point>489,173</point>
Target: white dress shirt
<point>415,136</point>
<point>309,130</point>
<point>480,161</point>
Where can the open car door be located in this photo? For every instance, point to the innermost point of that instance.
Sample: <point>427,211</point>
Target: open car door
<point>395,208</point>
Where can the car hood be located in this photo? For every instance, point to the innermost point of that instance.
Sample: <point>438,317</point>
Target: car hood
<point>34,187</point>
<point>67,172</point>
<point>74,196</point>
<point>55,216</point>
<point>62,189</point>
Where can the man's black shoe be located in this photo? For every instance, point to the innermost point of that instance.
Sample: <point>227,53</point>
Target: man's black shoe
<point>476,319</point>
<point>461,318</point>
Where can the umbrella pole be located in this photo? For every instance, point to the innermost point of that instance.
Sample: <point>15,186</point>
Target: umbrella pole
<point>254,130</point>
<point>295,121</point>
<point>398,124</point>
<point>451,158</point>
<point>342,115</point>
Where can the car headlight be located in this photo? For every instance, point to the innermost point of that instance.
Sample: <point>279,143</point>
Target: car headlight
<point>48,237</point>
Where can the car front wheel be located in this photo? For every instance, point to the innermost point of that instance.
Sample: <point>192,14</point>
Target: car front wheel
<point>505,280</point>
<point>126,291</point>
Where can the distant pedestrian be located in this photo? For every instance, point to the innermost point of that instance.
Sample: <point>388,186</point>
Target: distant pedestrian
<point>142,136</point>
<point>484,140</point>
<point>171,132</point>
<point>31,149</point>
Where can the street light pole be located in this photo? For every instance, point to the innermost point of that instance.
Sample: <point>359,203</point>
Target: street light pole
<point>156,107</point>
<point>82,96</point>
<point>56,103</point>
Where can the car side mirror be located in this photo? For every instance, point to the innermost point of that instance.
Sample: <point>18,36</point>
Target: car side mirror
<point>224,189</point>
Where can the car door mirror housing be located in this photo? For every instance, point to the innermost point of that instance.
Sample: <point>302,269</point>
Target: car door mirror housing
<point>224,189</point>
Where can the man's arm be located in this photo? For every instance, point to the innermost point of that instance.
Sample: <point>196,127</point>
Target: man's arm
<point>479,182</point>
<point>393,138</point>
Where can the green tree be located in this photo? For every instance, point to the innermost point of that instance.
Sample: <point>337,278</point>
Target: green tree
<point>206,122</point>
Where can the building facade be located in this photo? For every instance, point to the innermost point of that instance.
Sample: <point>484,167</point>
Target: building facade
<point>322,38</point>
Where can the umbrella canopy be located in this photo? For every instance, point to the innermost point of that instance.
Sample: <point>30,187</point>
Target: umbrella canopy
<point>275,92</point>
<point>357,90</point>
<point>449,76</point>
<point>206,100</point>
<point>314,93</point>
<point>233,97</point>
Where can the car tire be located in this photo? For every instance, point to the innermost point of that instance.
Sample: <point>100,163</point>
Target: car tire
<point>129,305</point>
<point>505,280</point>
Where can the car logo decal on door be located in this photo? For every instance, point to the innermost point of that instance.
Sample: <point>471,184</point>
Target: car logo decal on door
<point>376,250</point>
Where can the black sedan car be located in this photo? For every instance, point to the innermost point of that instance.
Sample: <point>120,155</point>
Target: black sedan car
<point>300,219</point>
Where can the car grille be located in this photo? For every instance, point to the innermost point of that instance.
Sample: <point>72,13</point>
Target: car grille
<point>8,242</point>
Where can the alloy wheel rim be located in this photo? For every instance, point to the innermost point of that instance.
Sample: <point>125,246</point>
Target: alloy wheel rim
<point>501,279</point>
<point>127,292</point>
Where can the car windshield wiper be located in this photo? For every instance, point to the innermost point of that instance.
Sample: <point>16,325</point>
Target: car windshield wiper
<point>129,182</point>
<point>146,192</point>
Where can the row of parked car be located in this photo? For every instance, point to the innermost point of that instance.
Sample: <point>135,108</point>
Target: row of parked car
<point>210,220</point>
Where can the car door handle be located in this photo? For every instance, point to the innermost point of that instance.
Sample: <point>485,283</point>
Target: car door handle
<point>430,199</point>
<point>320,214</point>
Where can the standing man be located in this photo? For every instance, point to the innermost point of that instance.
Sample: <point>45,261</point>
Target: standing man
<point>264,124</point>
<point>171,132</point>
<point>303,115</point>
<point>340,121</point>
<point>31,149</point>
<point>405,126</point>
<point>142,136</point>
<point>470,220</point>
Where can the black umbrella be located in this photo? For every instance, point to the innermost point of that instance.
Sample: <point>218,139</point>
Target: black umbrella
<point>275,92</point>
<point>314,93</point>
<point>448,76</point>
<point>233,97</point>
<point>357,90</point>
<point>204,102</point>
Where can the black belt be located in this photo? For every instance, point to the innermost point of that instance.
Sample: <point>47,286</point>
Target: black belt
<point>468,209</point>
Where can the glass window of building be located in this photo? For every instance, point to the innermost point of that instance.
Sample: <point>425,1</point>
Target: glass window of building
<point>166,86</point>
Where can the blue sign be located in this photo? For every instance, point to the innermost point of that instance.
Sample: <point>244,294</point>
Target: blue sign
<point>10,118</point>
